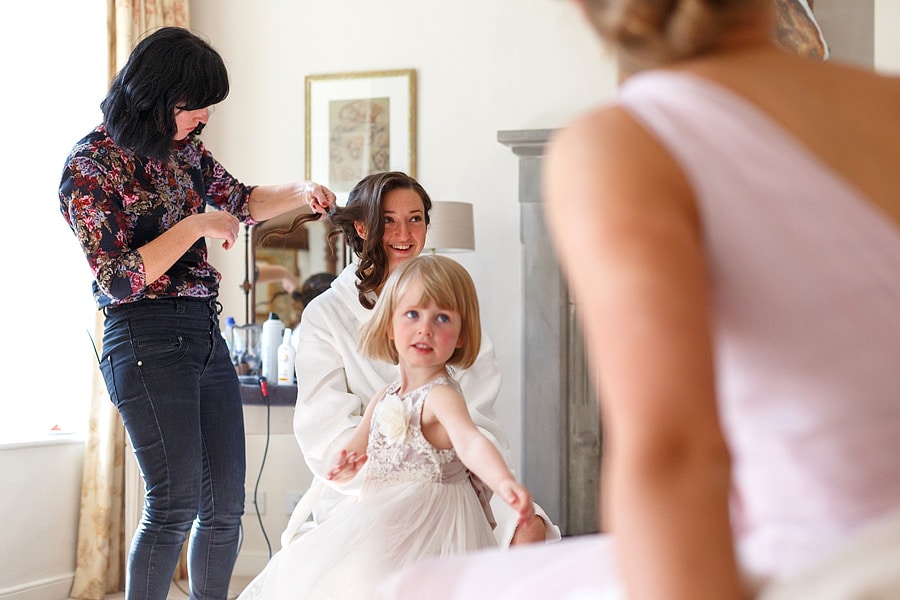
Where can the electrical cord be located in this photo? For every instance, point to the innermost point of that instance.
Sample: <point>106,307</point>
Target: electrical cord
<point>264,389</point>
<point>93,345</point>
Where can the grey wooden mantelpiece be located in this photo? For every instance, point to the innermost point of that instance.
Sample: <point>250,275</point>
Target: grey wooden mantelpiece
<point>561,434</point>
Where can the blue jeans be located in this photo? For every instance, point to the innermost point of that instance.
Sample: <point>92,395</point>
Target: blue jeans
<point>169,374</point>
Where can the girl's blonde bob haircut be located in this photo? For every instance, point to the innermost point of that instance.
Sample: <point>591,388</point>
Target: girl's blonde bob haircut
<point>448,285</point>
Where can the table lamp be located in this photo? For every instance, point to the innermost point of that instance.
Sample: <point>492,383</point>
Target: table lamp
<point>451,229</point>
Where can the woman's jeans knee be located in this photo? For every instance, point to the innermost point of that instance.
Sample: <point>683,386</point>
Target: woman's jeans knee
<point>169,375</point>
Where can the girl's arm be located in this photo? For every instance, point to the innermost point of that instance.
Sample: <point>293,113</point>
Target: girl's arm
<point>625,224</point>
<point>447,422</point>
<point>353,455</point>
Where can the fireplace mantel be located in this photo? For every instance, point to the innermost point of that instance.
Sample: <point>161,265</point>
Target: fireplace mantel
<point>561,433</point>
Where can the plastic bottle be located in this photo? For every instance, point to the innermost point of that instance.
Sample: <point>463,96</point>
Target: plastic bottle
<point>272,334</point>
<point>228,334</point>
<point>286,356</point>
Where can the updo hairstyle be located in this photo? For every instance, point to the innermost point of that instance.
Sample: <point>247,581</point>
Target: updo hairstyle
<point>648,33</point>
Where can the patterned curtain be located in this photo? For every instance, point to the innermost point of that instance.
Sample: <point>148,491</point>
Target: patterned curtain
<point>102,544</point>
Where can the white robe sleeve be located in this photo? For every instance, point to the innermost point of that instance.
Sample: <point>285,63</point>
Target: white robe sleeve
<point>326,412</point>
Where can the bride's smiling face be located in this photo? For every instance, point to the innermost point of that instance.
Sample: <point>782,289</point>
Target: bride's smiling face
<point>404,226</point>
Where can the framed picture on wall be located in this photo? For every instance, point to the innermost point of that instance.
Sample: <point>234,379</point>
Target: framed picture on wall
<point>357,124</point>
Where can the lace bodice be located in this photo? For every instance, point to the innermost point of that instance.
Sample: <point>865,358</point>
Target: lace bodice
<point>398,452</point>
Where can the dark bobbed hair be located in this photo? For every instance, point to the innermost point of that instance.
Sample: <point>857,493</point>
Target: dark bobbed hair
<point>448,285</point>
<point>168,68</point>
<point>314,285</point>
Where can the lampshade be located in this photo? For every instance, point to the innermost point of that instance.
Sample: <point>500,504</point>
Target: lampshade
<point>451,229</point>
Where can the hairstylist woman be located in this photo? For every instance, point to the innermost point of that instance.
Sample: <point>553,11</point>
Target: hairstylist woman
<point>134,191</point>
<point>384,222</point>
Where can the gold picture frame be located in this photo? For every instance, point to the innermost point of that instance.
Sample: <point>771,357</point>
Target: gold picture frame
<point>357,124</point>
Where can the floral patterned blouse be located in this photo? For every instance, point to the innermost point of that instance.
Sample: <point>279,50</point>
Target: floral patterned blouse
<point>116,201</point>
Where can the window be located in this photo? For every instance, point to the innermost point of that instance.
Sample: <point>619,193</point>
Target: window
<point>54,59</point>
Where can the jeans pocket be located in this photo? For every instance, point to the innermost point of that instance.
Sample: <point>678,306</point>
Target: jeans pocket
<point>155,350</point>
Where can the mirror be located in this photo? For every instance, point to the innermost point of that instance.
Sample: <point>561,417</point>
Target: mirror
<point>283,260</point>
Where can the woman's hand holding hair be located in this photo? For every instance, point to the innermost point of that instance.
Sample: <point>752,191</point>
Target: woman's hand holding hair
<point>319,198</point>
<point>267,201</point>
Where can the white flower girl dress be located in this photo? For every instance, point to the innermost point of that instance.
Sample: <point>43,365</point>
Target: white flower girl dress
<point>417,501</point>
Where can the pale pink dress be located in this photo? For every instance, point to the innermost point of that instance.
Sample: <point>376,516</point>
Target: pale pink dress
<point>806,285</point>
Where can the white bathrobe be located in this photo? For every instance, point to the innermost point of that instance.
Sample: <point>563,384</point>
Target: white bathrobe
<point>335,382</point>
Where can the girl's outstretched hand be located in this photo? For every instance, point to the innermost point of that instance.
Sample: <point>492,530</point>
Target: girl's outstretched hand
<point>347,466</point>
<point>519,498</point>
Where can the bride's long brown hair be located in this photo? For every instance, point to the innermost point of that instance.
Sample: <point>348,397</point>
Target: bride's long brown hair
<point>365,205</point>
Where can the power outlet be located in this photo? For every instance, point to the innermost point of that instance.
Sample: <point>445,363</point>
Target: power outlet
<point>291,499</point>
<point>250,508</point>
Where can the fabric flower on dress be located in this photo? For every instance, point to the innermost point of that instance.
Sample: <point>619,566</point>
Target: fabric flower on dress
<point>393,421</point>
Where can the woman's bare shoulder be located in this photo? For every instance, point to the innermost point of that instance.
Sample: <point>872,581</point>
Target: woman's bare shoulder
<point>608,155</point>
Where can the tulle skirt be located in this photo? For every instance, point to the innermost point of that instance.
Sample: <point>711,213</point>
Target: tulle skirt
<point>391,527</point>
<point>576,568</point>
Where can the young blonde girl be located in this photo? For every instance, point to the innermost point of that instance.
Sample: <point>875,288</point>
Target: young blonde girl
<point>424,489</point>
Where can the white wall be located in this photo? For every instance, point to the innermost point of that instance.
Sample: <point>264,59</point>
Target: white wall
<point>848,27</point>
<point>39,506</point>
<point>887,42</point>
<point>275,469</point>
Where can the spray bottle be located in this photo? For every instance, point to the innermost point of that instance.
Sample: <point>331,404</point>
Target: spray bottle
<point>286,355</point>
<point>272,334</point>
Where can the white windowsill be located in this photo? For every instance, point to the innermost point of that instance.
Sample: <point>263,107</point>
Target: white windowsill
<point>60,439</point>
